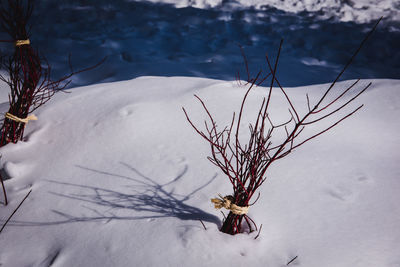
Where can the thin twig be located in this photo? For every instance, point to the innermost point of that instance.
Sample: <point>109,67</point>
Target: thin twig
<point>205,228</point>
<point>292,260</point>
<point>4,190</point>
<point>12,214</point>
<point>223,214</point>
<point>259,231</point>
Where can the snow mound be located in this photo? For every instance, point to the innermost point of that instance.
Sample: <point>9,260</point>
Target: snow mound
<point>360,11</point>
<point>119,178</point>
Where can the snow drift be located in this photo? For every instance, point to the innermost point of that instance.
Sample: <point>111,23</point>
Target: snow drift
<point>120,179</point>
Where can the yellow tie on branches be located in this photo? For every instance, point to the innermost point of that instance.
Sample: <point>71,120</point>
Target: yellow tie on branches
<point>17,119</point>
<point>22,42</point>
<point>226,202</point>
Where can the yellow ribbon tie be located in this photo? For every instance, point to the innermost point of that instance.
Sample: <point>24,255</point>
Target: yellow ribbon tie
<point>22,42</point>
<point>17,119</point>
<point>226,202</point>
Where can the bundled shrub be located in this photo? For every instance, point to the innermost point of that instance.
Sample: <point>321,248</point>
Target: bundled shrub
<point>28,73</point>
<point>246,164</point>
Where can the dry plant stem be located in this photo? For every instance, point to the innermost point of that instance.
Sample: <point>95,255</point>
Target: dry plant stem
<point>12,214</point>
<point>259,232</point>
<point>4,191</point>
<point>292,260</point>
<point>246,165</point>
<point>205,228</point>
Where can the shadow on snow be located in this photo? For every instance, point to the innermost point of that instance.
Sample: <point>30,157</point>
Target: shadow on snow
<point>147,196</point>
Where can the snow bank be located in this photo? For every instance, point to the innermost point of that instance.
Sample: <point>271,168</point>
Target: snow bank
<point>360,11</point>
<point>120,179</point>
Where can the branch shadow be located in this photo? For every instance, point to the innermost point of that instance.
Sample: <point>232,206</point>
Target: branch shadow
<point>146,196</point>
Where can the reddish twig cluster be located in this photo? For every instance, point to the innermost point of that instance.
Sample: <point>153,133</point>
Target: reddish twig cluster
<point>24,70</point>
<point>246,165</point>
<point>28,73</point>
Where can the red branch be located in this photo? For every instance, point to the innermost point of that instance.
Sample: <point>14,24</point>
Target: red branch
<point>28,73</point>
<point>246,165</point>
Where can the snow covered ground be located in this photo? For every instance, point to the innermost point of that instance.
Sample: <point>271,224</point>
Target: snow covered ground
<point>119,178</point>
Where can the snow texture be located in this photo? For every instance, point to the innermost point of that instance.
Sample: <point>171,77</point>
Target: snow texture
<point>119,178</point>
<point>360,11</point>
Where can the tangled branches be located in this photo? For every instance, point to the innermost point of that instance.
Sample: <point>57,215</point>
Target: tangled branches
<point>28,73</point>
<point>246,165</point>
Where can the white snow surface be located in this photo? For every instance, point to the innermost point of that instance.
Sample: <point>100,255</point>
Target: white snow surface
<point>119,178</point>
<point>360,11</point>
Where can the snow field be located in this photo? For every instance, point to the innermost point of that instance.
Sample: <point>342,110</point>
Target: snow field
<point>120,179</point>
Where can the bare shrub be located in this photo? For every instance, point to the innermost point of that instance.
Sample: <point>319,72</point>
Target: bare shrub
<point>28,73</point>
<point>246,165</point>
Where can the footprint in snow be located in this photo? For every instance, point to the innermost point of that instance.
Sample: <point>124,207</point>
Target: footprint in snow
<point>340,193</point>
<point>349,189</point>
<point>126,111</point>
<point>361,178</point>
